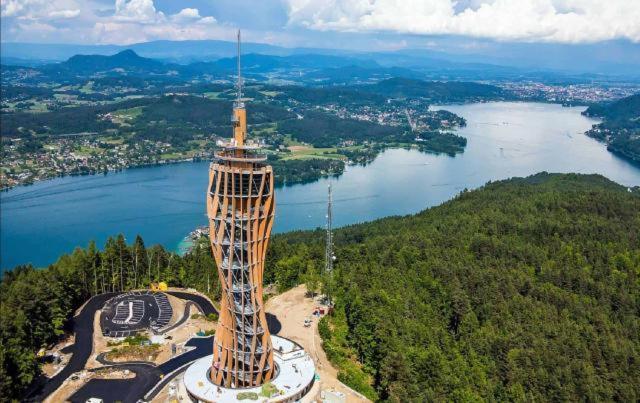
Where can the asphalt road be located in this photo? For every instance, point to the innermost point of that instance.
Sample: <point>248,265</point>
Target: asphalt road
<point>205,305</point>
<point>83,328</point>
<point>122,389</point>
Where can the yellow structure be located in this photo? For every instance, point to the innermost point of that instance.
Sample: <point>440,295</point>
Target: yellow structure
<point>161,286</point>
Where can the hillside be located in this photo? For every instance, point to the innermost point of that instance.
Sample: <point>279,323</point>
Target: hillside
<point>527,289</point>
<point>436,90</point>
<point>620,128</point>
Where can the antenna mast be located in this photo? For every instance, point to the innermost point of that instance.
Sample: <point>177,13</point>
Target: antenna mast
<point>239,76</point>
<point>329,246</point>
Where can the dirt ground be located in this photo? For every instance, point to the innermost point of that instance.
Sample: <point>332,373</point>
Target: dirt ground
<point>291,308</point>
<point>68,388</point>
<point>50,368</point>
<point>177,306</point>
<point>99,342</point>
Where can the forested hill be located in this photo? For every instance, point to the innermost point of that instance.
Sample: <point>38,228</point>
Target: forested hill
<point>453,91</point>
<point>620,128</point>
<point>524,290</point>
<point>622,109</point>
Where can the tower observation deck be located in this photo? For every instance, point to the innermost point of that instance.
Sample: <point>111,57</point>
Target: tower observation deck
<point>240,207</point>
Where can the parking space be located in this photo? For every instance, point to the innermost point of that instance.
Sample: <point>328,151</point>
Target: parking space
<point>126,314</point>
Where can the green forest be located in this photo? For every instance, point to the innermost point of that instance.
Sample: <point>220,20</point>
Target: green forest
<point>36,305</point>
<point>526,289</point>
<point>620,128</point>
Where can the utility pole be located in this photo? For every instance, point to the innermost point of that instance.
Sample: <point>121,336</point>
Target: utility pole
<point>328,255</point>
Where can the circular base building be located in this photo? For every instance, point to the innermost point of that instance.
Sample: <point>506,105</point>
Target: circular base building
<point>293,378</point>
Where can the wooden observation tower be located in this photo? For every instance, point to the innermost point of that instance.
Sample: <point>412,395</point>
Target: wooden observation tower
<point>240,206</point>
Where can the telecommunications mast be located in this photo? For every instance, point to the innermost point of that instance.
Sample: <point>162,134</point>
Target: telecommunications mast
<point>329,241</point>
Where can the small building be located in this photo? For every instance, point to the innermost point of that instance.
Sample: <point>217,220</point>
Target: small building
<point>161,286</point>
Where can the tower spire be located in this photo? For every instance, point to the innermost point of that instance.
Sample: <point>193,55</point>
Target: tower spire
<point>239,117</point>
<point>239,75</point>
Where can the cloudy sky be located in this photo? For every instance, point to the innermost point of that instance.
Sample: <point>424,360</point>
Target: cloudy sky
<point>387,24</point>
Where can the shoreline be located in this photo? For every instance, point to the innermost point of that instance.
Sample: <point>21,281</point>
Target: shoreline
<point>105,173</point>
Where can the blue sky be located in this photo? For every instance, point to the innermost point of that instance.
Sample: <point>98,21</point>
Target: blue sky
<point>353,24</point>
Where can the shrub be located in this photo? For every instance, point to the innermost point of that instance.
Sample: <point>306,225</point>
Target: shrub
<point>268,389</point>
<point>247,396</point>
<point>212,317</point>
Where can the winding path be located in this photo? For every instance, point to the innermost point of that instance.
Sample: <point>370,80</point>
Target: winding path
<point>81,349</point>
<point>144,380</point>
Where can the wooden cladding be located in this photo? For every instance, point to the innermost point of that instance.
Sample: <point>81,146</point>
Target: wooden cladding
<point>240,206</point>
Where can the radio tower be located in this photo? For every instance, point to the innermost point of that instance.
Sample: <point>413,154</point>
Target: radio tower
<point>329,247</point>
<point>328,254</point>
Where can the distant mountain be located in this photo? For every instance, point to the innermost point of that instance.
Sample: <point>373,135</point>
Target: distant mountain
<point>436,90</point>
<point>617,57</point>
<point>129,62</point>
<point>125,61</point>
<point>260,63</point>
<point>173,50</point>
<point>358,74</point>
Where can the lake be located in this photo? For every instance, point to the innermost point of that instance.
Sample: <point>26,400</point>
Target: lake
<point>164,203</point>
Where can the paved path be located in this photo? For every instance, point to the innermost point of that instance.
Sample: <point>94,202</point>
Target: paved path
<point>123,388</point>
<point>120,390</point>
<point>83,328</point>
<point>203,303</point>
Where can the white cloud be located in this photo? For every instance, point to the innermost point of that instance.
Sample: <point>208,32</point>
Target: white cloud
<point>186,14</point>
<point>139,21</point>
<point>39,9</point>
<point>207,20</point>
<point>570,21</point>
<point>140,11</point>
<point>11,8</point>
<point>65,13</point>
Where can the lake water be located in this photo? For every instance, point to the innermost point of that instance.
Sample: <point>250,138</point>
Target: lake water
<point>164,203</point>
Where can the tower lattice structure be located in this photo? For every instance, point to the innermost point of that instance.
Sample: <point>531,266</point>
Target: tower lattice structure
<point>240,206</point>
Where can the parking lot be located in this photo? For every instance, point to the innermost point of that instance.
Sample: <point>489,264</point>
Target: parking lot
<point>126,314</point>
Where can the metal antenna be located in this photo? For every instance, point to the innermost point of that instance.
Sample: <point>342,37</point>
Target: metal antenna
<point>329,247</point>
<point>239,76</point>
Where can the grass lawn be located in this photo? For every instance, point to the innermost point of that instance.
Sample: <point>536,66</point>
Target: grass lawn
<point>288,141</point>
<point>270,93</point>
<point>87,88</point>
<point>86,151</point>
<point>175,155</point>
<point>128,114</point>
<point>265,128</point>
<point>39,107</point>
<point>65,97</point>
<point>115,141</point>
<point>307,152</point>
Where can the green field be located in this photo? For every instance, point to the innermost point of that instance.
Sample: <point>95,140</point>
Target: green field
<point>311,153</point>
<point>87,88</point>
